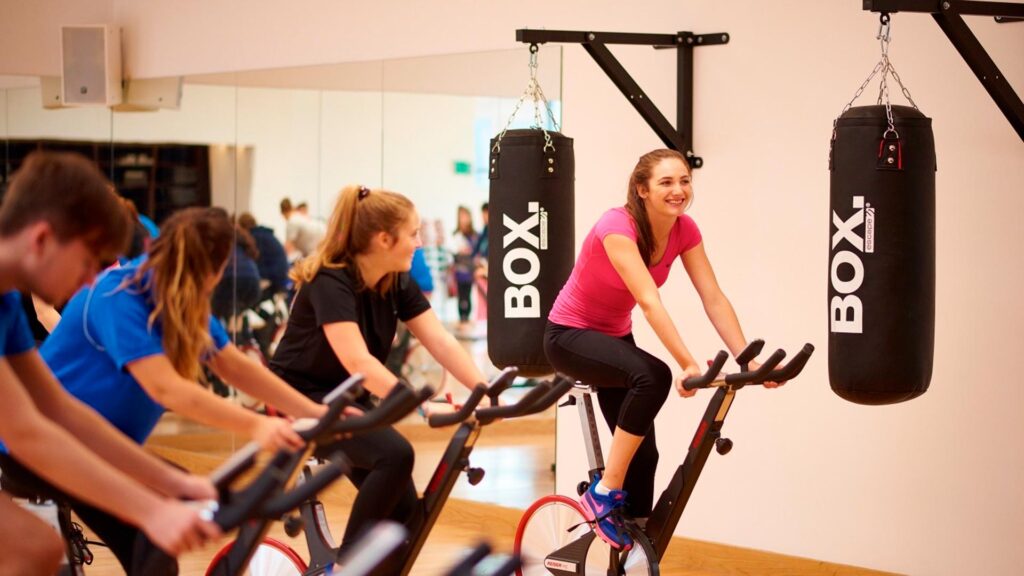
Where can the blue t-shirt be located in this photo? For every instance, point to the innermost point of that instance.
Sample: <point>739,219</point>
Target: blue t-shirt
<point>420,271</point>
<point>103,328</point>
<point>15,335</point>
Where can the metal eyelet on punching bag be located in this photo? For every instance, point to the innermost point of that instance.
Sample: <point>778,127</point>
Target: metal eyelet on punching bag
<point>531,235</point>
<point>882,249</point>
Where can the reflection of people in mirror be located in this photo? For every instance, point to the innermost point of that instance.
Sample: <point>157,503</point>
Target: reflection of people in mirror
<point>302,233</point>
<point>461,246</point>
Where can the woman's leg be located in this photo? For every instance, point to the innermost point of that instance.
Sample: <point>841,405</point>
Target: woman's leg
<point>136,553</point>
<point>465,292</point>
<point>27,544</point>
<point>639,481</point>
<point>635,383</point>
<point>382,463</point>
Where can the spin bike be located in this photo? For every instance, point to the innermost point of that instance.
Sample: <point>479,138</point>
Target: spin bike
<point>251,552</point>
<point>554,538</point>
<point>324,553</point>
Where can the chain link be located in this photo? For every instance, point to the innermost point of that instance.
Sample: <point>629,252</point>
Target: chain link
<point>534,91</point>
<point>884,66</point>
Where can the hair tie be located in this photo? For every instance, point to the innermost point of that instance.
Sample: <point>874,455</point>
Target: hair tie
<point>363,192</point>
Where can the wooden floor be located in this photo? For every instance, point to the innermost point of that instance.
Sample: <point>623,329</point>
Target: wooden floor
<point>517,457</point>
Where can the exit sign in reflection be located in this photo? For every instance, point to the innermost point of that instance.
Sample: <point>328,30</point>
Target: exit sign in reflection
<point>461,167</point>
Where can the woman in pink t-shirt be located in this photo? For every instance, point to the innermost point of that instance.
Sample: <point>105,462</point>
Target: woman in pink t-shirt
<point>624,259</point>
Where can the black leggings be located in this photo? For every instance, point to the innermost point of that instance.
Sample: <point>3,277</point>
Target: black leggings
<point>381,463</point>
<point>632,387</point>
<point>136,553</point>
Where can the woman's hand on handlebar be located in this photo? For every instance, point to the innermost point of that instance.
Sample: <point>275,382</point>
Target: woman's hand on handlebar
<point>754,365</point>
<point>193,487</point>
<point>276,433</point>
<point>175,528</point>
<point>691,371</point>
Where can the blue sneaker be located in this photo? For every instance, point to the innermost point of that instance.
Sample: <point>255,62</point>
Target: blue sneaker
<point>604,512</point>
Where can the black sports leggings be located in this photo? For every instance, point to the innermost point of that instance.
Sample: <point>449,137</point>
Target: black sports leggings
<point>381,464</point>
<point>136,553</point>
<point>632,387</point>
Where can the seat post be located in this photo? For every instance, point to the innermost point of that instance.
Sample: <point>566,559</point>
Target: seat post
<point>591,439</point>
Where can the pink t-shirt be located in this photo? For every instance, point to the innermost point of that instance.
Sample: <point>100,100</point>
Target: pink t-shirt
<point>595,297</point>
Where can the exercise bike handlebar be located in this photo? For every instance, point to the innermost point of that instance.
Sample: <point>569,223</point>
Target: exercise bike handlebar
<point>499,384</point>
<point>559,387</point>
<point>442,420</point>
<point>488,415</point>
<point>396,405</point>
<point>278,506</point>
<point>705,379</point>
<point>792,368</point>
<point>767,372</point>
<point>759,375</point>
<point>244,458</point>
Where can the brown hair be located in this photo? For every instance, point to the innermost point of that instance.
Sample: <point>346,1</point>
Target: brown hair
<point>645,240</point>
<point>359,214</point>
<point>194,244</point>
<point>468,230</point>
<point>286,206</point>
<point>69,192</point>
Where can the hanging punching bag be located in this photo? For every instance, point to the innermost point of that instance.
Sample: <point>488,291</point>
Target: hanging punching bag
<point>531,242</point>
<point>882,258</point>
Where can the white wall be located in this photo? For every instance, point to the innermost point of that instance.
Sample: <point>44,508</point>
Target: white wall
<point>926,487</point>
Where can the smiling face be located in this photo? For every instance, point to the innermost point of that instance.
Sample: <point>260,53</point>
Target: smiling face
<point>668,191</point>
<point>403,244</point>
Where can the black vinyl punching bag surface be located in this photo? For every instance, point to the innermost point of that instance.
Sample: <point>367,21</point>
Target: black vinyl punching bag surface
<point>531,243</point>
<point>882,256</point>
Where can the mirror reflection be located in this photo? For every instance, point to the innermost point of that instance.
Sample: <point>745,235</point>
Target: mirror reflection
<point>273,148</point>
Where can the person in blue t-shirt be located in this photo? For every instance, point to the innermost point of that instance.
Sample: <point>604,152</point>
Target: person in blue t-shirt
<point>133,343</point>
<point>59,220</point>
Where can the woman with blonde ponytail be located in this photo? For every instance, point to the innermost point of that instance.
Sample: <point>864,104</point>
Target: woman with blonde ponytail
<point>133,344</point>
<point>351,294</point>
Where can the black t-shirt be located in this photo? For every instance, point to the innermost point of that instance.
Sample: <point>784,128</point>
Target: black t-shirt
<point>304,357</point>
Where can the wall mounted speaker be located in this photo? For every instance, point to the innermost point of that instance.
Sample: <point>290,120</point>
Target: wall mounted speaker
<point>91,65</point>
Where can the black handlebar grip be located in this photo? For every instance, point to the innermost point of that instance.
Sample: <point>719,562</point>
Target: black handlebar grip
<point>559,387</point>
<point>793,368</point>
<point>759,374</point>
<point>750,352</point>
<point>234,466</point>
<point>350,384</point>
<point>399,402</point>
<point>502,382</point>
<point>245,503</point>
<point>708,377</point>
<point>284,503</point>
<point>488,415</point>
<point>442,420</point>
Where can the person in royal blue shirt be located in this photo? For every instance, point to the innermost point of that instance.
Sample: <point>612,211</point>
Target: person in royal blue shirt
<point>59,220</point>
<point>133,343</point>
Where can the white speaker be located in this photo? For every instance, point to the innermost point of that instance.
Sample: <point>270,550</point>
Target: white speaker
<point>91,65</point>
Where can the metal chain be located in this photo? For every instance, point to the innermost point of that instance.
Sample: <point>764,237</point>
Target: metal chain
<point>533,90</point>
<point>884,66</point>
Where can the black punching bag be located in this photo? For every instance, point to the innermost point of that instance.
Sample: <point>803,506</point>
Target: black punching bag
<point>881,288</point>
<point>531,239</point>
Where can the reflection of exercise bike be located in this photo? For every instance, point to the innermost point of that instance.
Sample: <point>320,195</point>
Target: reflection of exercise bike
<point>553,536</point>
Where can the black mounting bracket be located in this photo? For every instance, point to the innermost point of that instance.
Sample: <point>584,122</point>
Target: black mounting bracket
<point>595,43</point>
<point>947,15</point>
